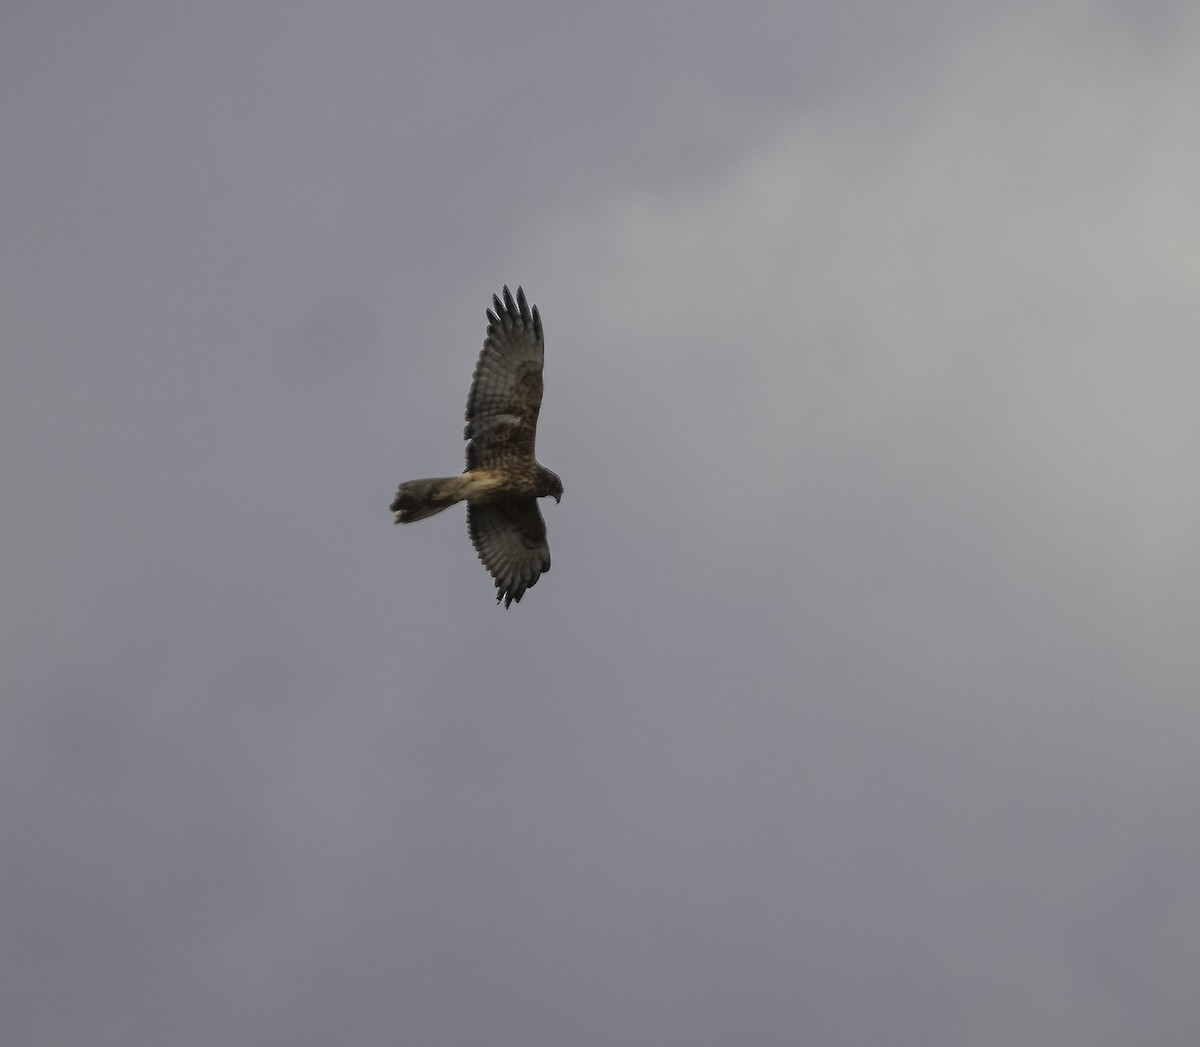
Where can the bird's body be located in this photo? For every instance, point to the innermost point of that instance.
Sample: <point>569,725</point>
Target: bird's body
<point>503,478</point>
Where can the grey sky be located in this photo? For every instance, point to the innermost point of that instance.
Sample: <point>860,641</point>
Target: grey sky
<point>860,706</point>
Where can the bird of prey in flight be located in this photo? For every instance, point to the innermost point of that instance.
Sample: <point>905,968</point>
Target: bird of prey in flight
<point>503,479</point>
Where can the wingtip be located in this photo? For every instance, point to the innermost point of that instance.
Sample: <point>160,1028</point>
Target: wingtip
<point>506,306</point>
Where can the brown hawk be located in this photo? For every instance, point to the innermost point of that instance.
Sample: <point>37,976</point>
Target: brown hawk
<point>503,480</point>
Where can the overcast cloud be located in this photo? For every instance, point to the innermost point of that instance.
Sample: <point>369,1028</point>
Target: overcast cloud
<point>860,705</point>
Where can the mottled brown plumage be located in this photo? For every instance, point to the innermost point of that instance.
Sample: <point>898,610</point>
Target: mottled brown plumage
<point>503,479</point>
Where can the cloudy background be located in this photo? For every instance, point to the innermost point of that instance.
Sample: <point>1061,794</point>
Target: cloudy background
<point>860,706</point>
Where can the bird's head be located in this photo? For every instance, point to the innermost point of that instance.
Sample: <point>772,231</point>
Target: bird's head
<point>553,485</point>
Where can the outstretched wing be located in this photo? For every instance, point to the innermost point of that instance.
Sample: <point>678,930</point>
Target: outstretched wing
<point>510,538</point>
<point>506,390</point>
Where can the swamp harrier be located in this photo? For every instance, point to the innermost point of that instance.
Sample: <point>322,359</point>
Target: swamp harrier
<point>503,480</point>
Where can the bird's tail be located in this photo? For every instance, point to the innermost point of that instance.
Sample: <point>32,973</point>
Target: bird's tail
<point>417,499</point>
